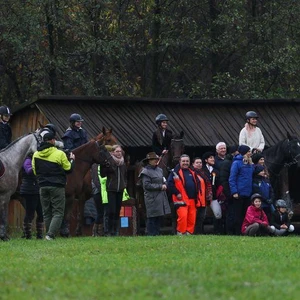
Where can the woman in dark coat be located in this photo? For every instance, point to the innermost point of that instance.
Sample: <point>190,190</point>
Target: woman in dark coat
<point>116,182</point>
<point>155,196</point>
<point>29,190</point>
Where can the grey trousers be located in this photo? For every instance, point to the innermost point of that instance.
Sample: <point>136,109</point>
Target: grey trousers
<point>53,203</point>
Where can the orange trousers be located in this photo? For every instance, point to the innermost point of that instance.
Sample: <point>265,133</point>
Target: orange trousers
<point>186,217</point>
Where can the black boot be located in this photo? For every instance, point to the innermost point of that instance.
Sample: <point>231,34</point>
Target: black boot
<point>27,230</point>
<point>39,230</point>
<point>97,230</point>
<point>3,236</point>
<point>116,228</point>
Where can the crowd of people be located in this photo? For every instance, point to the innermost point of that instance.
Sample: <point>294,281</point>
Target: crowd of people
<point>233,181</point>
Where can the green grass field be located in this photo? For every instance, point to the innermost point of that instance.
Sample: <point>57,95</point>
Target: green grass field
<point>166,267</point>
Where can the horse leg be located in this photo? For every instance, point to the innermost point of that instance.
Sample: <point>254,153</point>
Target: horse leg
<point>3,220</point>
<point>65,226</point>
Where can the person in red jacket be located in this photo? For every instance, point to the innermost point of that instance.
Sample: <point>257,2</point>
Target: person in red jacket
<point>185,189</point>
<point>256,222</point>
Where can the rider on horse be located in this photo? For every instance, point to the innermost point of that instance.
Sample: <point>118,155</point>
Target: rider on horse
<point>75,135</point>
<point>5,130</point>
<point>251,135</point>
<point>162,137</point>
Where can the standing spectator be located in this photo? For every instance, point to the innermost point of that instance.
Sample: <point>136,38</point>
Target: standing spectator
<point>115,185</point>
<point>256,222</point>
<point>29,190</point>
<point>5,130</point>
<point>155,196</point>
<point>221,150</point>
<point>240,182</point>
<point>224,181</point>
<point>50,165</point>
<point>162,136</point>
<point>281,224</point>
<point>251,135</point>
<point>185,190</point>
<point>214,177</point>
<point>206,196</point>
<point>75,135</point>
<point>261,185</point>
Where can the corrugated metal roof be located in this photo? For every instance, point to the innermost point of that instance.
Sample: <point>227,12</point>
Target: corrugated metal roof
<point>205,123</point>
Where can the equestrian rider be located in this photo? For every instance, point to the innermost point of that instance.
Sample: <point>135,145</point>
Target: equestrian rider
<point>75,135</point>
<point>161,138</point>
<point>251,135</point>
<point>5,130</point>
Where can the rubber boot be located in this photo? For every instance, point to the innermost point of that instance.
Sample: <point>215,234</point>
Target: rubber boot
<point>39,230</point>
<point>97,230</point>
<point>116,228</point>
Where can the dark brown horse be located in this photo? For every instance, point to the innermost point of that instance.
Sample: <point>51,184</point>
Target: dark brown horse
<point>85,156</point>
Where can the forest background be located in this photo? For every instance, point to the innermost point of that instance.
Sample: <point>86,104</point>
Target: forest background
<point>241,49</point>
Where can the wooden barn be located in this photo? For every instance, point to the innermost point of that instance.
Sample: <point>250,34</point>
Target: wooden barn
<point>204,122</point>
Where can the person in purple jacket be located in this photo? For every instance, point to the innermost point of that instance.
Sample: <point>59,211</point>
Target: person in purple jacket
<point>240,183</point>
<point>29,190</point>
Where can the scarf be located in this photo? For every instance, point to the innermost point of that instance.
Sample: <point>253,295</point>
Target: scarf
<point>118,161</point>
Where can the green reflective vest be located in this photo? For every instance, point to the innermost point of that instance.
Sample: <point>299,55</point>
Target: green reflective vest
<point>102,181</point>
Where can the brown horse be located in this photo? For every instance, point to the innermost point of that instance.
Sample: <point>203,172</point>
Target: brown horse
<point>85,156</point>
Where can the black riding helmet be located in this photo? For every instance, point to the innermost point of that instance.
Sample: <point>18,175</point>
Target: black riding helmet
<point>4,110</point>
<point>160,118</point>
<point>251,114</point>
<point>75,118</point>
<point>52,127</point>
<point>256,195</point>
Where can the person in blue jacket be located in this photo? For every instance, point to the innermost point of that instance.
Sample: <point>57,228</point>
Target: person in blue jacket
<point>75,135</point>
<point>240,183</point>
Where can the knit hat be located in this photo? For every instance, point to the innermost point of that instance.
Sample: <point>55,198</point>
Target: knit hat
<point>258,169</point>
<point>206,155</point>
<point>233,149</point>
<point>243,149</point>
<point>256,157</point>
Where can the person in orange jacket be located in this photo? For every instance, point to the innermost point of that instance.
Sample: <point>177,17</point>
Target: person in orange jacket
<point>185,189</point>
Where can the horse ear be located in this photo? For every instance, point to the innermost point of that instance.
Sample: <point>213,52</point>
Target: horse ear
<point>288,136</point>
<point>181,134</point>
<point>103,130</point>
<point>109,130</point>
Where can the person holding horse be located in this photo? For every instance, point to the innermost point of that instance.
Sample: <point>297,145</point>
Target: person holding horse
<point>251,135</point>
<point>185,189</point>
<point>155,196</point>
<point>50,165</point>
<point>162,136</point>
<point>75,135</point>
<point>29,190</point>
<point>5,129</point>
<point>116,173</point>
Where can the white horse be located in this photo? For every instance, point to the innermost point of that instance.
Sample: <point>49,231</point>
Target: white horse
<point>11,161</point>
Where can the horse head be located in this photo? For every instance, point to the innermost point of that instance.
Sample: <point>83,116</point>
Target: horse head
<point>292,152</point>
<point>177,147</point>
<point>106,137</point>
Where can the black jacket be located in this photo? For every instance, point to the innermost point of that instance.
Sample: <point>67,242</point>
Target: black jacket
<point>160,143</point>
<point>225,173</point>
<point>277,221</point>
<point>5,135</point>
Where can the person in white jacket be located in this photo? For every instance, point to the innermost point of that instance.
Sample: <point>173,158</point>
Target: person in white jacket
<point>251,135</point>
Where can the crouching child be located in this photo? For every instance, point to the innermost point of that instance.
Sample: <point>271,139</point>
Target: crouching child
<point>256,222</point>
<point>280,223</point>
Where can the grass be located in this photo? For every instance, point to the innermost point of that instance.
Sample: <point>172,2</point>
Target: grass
<point>166,267</point>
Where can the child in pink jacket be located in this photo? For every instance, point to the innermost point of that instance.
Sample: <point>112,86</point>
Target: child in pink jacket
<point>256,222</point>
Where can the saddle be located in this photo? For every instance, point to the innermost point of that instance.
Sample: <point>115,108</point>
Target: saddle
<point>2,168</point>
